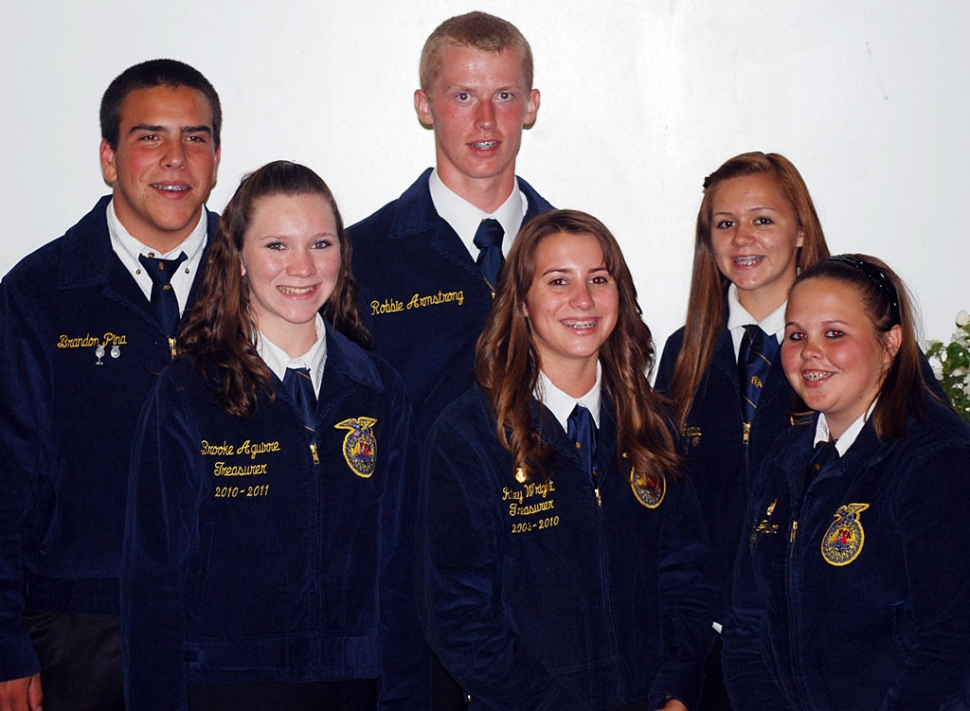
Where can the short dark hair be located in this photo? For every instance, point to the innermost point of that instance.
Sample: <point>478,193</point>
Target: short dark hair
<point>154,72</point>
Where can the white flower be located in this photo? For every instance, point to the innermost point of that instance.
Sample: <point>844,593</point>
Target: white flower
<point>963,318</point>
<point>959,372</point>
<point>937,369</point>
<point>960,336</point>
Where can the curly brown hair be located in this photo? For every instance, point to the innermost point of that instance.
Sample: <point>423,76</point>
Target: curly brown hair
<point>507,366</point>
<point>219,333</point>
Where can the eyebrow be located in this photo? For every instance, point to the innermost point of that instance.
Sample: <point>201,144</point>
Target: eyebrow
<point>471,89</point>
<point>164,129</point>
<point>753,209</point>
<point>565,270</point>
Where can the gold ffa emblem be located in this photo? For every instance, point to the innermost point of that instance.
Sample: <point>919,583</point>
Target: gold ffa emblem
<point>520,475</point>
<point>360,445</point>
<point>843,541</point>
<point>649,492</point>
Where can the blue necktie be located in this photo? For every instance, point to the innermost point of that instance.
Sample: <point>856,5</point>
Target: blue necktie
<point>758,349</point>
<point>300,387</point>
<point>825,453</point>
<point>488,239</point>
<point>164,301</point>
<point>582,432</point>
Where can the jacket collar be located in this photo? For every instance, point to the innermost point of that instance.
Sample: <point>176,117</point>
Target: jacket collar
<point>415,211</point>
<point>350,362</point>
<point>865,452</point>
<point>87,257</point>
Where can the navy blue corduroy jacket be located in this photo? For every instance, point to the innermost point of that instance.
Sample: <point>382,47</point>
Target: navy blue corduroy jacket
<point>423,297</point>
<point>852,590</point>
<point>536,596</point>
<point>67,417</point>
<point>246,560</point>
<point>723,461</point>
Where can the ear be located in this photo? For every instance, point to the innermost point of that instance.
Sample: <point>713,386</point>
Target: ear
<point>422,105</point>
<point>531,108</point>
<point>801,238</point>
<point>892,340</point>
<point>107,155</point>
<point>215,167</point>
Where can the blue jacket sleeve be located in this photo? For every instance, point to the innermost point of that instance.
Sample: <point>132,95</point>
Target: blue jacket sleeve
<point>748,679</point>
<point>163,496</point>
<point>936,556</point>
<point>406,659</point>
<point>459,588</point>
<point>24,445</point>
<point>688,599</point>
<point>665,371</point>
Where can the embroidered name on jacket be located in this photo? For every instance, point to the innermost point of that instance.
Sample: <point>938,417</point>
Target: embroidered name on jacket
<point>239,460</point>
<point>844,539</point>
<point>360,445</point>
<point>89,341</point>
<point>529,501</point>
<point>692,435</point>
<point>418,301</point>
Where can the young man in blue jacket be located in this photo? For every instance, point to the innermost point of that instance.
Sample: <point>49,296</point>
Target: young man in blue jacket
<point>86,324</point>
<point>427,262</point>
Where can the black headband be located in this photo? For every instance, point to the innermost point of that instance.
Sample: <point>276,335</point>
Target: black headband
<point>877,276</point>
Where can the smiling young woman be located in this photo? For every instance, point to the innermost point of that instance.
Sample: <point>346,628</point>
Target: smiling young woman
<point>267,558</point>
<point>851,532</point>
<point>560,552</point>
<point>756,227</point>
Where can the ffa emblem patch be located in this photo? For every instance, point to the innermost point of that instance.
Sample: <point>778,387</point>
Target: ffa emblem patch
<point>843,541</point>
<point>649,493</point>
<point>360,445</point>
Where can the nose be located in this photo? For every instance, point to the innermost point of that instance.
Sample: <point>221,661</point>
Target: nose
<point>300,263</point>
<point>742,235</point>
<point>810,348</point>
<point>174,155</point>
<point>485,116</point>
<point>581,297</point>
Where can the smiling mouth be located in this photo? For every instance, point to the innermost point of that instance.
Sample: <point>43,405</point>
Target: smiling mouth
<point>748,261</point>
<point>171,188</point>
<point>297,290</point>
<point>484,145</point>
<point>579,325</point>
<point>816,375</point>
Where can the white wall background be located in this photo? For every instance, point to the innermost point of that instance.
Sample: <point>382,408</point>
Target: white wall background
<point>640,100</point>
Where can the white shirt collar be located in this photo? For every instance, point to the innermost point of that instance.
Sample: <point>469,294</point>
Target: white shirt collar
<point>848,437</point>
<point>464,217</point>
<point>129,248</point>
<point>279,360</point>
<point>561,405</point>
<point>738,318</point>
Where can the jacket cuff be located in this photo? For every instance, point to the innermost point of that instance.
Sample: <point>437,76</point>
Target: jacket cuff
<point>17,657</point>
